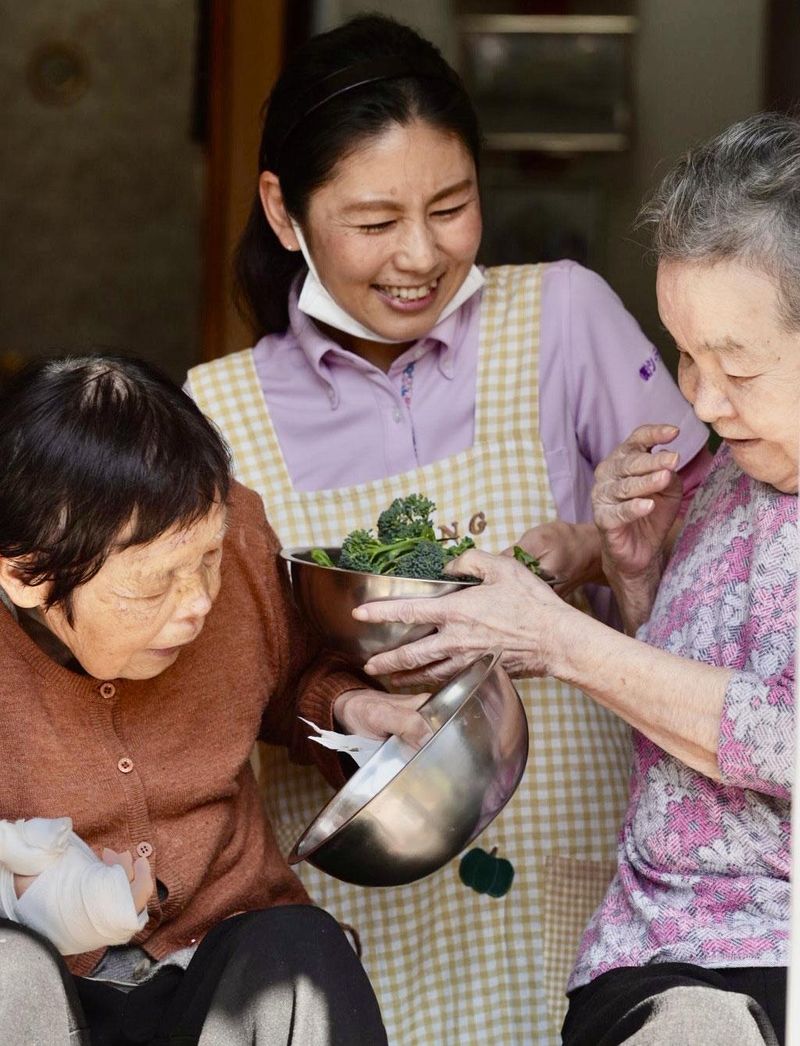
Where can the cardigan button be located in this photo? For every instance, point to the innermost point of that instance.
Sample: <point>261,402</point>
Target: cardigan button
<point>107,690</point>
<point>144,849</point>
<point>125,765</point>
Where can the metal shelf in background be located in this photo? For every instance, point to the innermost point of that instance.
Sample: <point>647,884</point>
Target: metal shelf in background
<point>555,143</point>
<point>616,25</point>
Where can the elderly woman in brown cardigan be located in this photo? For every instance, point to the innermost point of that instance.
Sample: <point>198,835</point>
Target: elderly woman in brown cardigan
<point>147,638</point>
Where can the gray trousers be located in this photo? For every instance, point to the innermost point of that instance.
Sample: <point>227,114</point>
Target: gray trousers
<point>284,975</point>
<point>38,1001</point>
<point>679,1004</point>
<point>706,1017</point>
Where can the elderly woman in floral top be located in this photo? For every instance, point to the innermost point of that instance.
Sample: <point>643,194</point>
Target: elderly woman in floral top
<point>690,943</point>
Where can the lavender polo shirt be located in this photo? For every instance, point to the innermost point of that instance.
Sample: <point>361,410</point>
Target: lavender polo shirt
<point>342,421</point>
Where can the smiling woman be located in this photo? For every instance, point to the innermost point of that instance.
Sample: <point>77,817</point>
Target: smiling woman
<point>396,262</point>
<point>385,362</point>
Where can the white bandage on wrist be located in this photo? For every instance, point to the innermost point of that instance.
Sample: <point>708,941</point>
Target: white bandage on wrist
<point>77,902</point>
<point>8,894</point>
<point>28,847</point>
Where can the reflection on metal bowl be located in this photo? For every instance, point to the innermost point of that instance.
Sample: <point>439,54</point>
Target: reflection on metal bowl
<point>379,833</point>
<point>327,596</point>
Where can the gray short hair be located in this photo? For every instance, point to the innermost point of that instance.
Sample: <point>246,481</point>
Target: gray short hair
<point>737,196</point>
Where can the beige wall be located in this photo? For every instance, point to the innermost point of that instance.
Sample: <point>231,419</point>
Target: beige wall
<point>100,199</point>
<point>699,67</point>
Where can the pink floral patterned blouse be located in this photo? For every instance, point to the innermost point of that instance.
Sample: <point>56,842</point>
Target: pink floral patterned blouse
<point>703,873</point>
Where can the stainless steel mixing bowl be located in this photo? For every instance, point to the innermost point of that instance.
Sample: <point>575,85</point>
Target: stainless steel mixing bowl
<point>327,596</point>
<point>439,797</point>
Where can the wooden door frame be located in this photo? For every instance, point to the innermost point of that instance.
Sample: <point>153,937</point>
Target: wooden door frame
<point>246,45</point>
<point>782,76</point>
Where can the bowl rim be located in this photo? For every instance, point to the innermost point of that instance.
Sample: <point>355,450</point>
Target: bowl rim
<point>493,655</point>
<point>292,555</point>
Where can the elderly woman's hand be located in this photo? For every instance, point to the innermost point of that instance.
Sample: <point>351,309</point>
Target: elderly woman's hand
<point>636,499</point>
<point>568,552</point>
<point>374,713</point>
<point>139,875</point>
<point>512,609</point>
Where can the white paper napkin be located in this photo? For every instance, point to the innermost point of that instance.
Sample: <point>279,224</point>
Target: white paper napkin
<point>360,748</point>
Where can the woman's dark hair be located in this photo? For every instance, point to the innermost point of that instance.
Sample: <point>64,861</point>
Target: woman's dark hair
<point>318,139</point>
<point>98,453</point>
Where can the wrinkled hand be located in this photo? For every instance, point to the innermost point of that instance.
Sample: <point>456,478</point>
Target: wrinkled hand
<point>374,713</point>
<point>636,498</point>
<point>139,875</point>
<point>569,552</point>
<point>512,609</point>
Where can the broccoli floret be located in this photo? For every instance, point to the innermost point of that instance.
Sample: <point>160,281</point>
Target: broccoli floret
<point>361,550</point>
<point>425,560</point>
<point>405,546</point>
<point>358,551</point>
<point>408,517</point>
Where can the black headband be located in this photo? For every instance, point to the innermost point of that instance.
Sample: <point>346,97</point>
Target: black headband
<point>367,72</point>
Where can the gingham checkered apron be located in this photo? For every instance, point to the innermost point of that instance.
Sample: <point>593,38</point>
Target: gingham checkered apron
<point>452,967</point>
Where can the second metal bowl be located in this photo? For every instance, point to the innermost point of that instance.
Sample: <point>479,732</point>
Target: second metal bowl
<point>406,813</point>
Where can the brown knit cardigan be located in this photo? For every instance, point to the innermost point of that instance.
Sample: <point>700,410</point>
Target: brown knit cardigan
<point>164,763</point>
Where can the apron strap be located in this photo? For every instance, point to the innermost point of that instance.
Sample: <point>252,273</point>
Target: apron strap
<point>228,390</point>
<point>507,402</point>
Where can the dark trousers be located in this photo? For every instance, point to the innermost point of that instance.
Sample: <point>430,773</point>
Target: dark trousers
<point>679,1004</point>
<point>287,975</point>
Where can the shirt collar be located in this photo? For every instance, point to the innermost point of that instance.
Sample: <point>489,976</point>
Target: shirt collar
<point>5,599</point>
<point>323,353</point>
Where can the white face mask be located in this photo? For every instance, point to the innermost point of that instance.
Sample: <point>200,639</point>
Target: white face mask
<point>317,303</point>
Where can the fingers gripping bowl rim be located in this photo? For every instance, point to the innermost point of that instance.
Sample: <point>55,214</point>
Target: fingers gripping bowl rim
<point>437,800</point>
<point>327,596</point>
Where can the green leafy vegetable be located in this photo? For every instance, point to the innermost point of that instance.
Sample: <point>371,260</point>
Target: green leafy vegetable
<point>321,557</point>
<point>451,551</point>
<point>527,560</point>
<point>405,544</point>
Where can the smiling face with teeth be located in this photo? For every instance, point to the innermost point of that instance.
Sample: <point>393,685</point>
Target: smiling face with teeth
<point>395,231</point>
